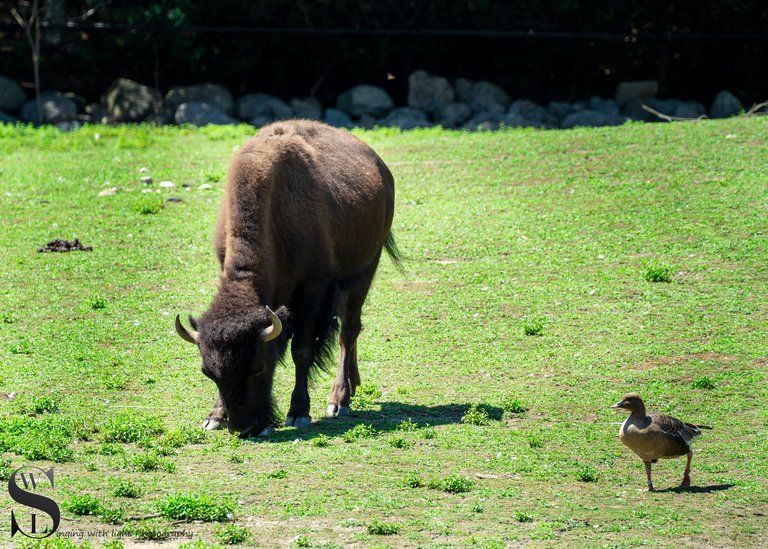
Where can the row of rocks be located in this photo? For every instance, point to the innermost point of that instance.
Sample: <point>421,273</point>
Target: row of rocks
<point>432,100</point>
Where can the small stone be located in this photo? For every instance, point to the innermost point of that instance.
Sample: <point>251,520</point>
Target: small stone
<point>205,187</point>
<point>167,184</point>
<point>147,179</point>
<point>108,192</point>
<point>144,170</point>
<point>174,199</point>
<point>146,190</point>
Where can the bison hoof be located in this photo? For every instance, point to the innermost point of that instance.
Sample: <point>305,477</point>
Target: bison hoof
<point>337,411</point>
<point>211,424</point>
<point>298,422</point>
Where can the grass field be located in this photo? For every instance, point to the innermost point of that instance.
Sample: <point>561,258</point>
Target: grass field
<point>548,273</point>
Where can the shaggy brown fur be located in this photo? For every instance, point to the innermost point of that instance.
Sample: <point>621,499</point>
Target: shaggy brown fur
<point>301,227</point>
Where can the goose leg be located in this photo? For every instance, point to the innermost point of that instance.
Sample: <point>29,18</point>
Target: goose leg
<point>687,475</point>
<point>648,475</point>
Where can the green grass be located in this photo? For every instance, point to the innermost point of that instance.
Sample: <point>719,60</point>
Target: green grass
<point>640,251</point>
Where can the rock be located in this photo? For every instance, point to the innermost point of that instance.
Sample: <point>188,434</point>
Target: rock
<point>591,118</point>
<point>96,113</point>
<point>428,93</point>
<point>129,101</point>
<point>12,96</point>
<point>108,192</point>
<point>557,111</point>
<point>205,186</point>
<point>7,119</point>
<point>201,114</point>
<point>261,121</point>
<point>146,179</point>
<point>485,120</point>
<point>724,105</point>
<point>635,111</point>
<point>55,108</point>
<point>453,115</point>
<point>406,118</point>
<point>463,89</point>
<point>605,106</point>
<point>166,184</point>
<point>527,110</point>
<point>309,108</point>
<point>690,109</point>
<point>517,121</point>
<point>337,118</point>
<point>639,89</point>
<point>68,125</point>
<point>213,94</point>
<point>252,105</point>
<point>486,95</point>
<point>365,99</point>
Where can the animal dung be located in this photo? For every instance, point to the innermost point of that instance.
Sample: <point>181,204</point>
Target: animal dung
<point>60,245</point>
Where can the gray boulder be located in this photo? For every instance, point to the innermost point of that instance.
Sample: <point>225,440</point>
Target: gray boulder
<point>690,109</point>
<point>69,125</point>
<point>453,115</point>
<point>253,105</point>
<point>635,111</point>
<point>463,89</point>
<point>12,96</point>
<point>406,118</point>
<point>639,89</point>
<point>96,113</point>
<point>676,108</point>
<point>309,108</point>
<point>605,106</point>
<point>485,120</point>
<point>7,118</point>
<point>557,111</point>
<point>591,118</point>
<point>527,110</point>
<point>487,95</point>
<point>428,93</point>
<point>517,121</point>
<point>337,118</point>
<point>724,105</point>
<point>129,101</point>
<point>201,114</point>
<point>213,94</point>
<point>55,108</point>
<point>365,99</point>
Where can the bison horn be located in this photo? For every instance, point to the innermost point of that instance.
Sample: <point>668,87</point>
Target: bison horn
<point>185,334</point>
<point>270,333</point>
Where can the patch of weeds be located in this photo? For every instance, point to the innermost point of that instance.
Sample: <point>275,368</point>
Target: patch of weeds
<point>113,544</point>
<point>454,484</point>
<point>149,461</point>
<point>149,203</point>
<point>365,396</point>
<point>98,302</point>
<point>360,431</point>
<point>112,515</point>
<point>182,436</point>
<point>130,428</point>
<point>407,425</point>
<point>658,273</point>
<point>236,458</point>
<point>233,534</point>
<point>429,433</point>
<point>302,541</point>
<point>523,516</point>
<point>197,544</point>
<point>196,507</point>
<point>37,438</point>
<point>110,449</point>
<point>278,473</point>
<point>37,405</point>
<point>413,480</point>
<point>8,318</point>
<point>704,382</point>
<point>512,406</point>
<point>52,543</point>
<point>5,469</point>
<point>115,382</point>
<point>535,441</point>
<point>21,347</point>
<point>533,327</point>
<point>321,441</point>
<point>379,528</point>
<point>476,415</point>
<point>126,489</point>
<point>86,504</point>
<point>477,507</point>
<point>147,530</point>
<point>587,473</point>
<point>399,442</point>
<point>212,177</point>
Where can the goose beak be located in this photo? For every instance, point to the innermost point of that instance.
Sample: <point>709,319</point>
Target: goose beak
<point>618,405</point>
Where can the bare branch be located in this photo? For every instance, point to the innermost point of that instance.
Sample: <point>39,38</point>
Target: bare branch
<point>669,118</point>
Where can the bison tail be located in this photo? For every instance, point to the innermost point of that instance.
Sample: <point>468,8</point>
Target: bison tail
<point>394,252</point>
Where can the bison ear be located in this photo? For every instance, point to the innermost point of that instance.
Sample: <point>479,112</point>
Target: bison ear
<point>193,322</point>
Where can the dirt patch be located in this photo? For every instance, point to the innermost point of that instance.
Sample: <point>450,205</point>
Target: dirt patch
<point>59,245</point>
<point>670,360</point>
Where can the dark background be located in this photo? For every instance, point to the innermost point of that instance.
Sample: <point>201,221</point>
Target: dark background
<point>538,49</point>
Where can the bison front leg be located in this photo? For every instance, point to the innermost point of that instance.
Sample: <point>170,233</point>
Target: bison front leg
<point>216,417</point>
<point>298,414</point>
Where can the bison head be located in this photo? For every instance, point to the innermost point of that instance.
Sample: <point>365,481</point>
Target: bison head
<point>238,356</point>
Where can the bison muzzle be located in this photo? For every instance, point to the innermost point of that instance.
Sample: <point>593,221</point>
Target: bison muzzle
<point>306,213</point>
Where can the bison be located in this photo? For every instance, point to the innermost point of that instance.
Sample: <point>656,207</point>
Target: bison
<point>301,227</point>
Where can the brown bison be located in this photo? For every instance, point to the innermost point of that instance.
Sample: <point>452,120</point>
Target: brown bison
<point>301,227</point>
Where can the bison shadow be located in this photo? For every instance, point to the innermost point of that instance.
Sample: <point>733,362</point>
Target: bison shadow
<point>697,489</point>
<point>385,420</point>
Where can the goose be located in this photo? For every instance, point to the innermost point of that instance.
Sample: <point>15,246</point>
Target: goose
<point>656,436</point>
